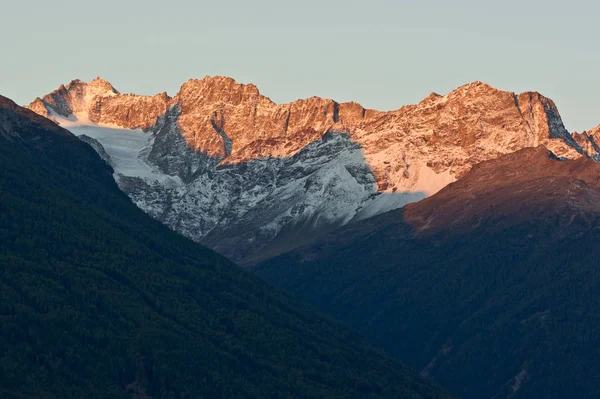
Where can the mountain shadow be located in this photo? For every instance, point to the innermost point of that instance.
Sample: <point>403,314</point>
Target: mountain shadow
<point>253,210</point>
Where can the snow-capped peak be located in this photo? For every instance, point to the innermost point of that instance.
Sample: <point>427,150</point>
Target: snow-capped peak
<point>226,166</point>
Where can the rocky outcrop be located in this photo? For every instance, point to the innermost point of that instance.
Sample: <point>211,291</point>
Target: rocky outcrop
<point>95,144</point>
<point>130,111</point>
<point>252,171</point>
<point>589,141</point>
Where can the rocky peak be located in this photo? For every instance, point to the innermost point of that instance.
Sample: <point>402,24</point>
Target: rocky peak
<point>474,88</point>
<point>226,119</point>
<point>589,141</point>
<point>100,87</point>
<point>74,98</point>
<point>450,133</point>
<point>99,102</point>
<point>216,89</point>
<point>431,98</point>
<point>39,107</point>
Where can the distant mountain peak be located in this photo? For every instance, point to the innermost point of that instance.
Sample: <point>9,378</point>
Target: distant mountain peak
<point>431,97</point>
<point>477,84</point>
<point>218,89</point>
<point>102,87</point>
<point>589,141</point>
<point>99,80</point>
<point>73,99</point>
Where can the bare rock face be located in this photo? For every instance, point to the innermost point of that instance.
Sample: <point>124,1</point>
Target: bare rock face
<point>226,119</point>
<point>128,110</point>
<point>588,141</point>
<point>77,96</point>
<point>451,133</point>
<point>39,107</point>
<point>99,102</point>
<point>447,134</point>
<point>254,178</point>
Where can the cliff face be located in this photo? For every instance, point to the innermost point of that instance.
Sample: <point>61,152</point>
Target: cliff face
<point>307,166</point>
<point>234,123</point>
<point>129,111</point>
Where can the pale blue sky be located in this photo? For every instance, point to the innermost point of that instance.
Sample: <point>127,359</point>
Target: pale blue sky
<point>383,54</point>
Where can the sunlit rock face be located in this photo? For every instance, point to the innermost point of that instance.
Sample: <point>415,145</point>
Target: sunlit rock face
<point>589,141</point>
<point>224,165</point>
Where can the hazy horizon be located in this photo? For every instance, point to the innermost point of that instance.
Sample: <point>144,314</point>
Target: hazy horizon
<point>383,54</point>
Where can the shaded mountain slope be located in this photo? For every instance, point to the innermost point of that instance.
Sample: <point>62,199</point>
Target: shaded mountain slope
<point>491,286</point>
<point>99,300</point>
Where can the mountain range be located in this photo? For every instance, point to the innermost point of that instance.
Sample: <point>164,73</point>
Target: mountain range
<point>98,300</point>
<point>458,234</point>
<point>225,166</point>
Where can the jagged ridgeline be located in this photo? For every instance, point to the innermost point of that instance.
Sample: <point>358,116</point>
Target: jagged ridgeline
<point>98,300</point>
<point>226,166</point>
